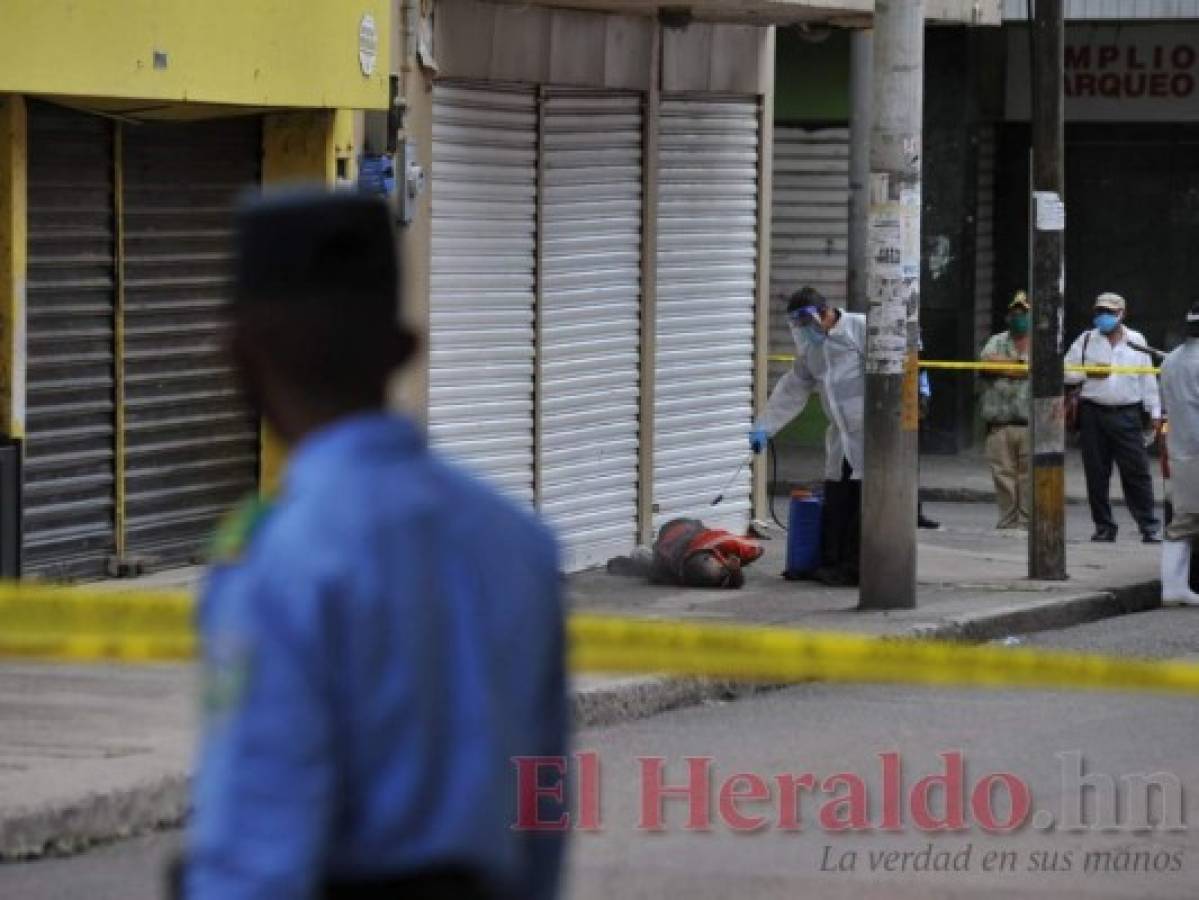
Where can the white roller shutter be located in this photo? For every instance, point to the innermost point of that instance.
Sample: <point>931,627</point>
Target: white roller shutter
<point>707,280</point>
<point>589,323</point>
<point>810,224</point>
<point>482,283</point>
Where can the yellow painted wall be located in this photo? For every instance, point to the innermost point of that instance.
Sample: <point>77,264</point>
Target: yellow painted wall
<point>13,203</point>
<point>301,147</point>
<point>289,53</point>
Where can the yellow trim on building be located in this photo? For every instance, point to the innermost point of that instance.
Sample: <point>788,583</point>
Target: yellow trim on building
<point>263,53</point>
<point>301,147</point>
<point>13,266</point>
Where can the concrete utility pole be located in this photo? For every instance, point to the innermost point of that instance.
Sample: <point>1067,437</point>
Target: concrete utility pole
<point>861,97</point>
<point>888,569</point>
<point>1046,537</point>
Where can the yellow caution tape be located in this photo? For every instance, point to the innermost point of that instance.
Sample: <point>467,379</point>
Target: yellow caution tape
<point>91,624</point>
<point>970,366</point>
<point>603,644</point>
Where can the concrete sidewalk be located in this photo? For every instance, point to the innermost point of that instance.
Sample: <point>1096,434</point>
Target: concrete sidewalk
<point>94,753</point>
<point>963,477</point>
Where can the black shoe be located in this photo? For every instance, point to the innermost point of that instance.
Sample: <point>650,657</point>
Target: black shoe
<point>925,522</point>
<point>1105,533</point>
<point>1151,537</point>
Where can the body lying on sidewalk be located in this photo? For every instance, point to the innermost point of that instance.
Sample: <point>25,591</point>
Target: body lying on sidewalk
<point>690,554</point>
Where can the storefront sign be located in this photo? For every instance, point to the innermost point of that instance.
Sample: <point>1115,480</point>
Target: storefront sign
<point>1133,73</point>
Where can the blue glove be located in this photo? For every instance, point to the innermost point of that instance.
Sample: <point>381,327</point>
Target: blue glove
<point>758,437</point>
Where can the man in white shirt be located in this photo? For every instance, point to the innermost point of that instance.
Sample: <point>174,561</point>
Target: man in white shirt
<point>1111,414</point>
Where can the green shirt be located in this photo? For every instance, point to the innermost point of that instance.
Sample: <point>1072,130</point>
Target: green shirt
<point>1005,400</point>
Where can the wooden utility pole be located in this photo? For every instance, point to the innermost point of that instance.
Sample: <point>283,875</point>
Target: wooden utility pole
<point>1047,536</point>
<point>861,119</point>
<point>888,565</point>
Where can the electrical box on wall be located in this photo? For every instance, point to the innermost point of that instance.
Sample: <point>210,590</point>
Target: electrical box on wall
<point>412,184</point>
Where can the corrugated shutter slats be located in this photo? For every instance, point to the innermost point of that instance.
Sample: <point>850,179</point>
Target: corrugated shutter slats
<point>984,246</point>
<point>810,224</point>
<point>590,323</point>
<point>707,279</point>
<point>482,281</point>
<point>1112,9</point>
<point>69,469</point>
<point>191,440</point>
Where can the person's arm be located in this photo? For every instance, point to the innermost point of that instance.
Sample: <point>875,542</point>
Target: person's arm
<point>264,788</point>
<point>788,398</point>
<point>992,353</point>
<point>1074,358</point>
<point>1150,392</point>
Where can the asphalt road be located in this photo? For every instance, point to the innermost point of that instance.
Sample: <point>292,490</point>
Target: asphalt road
<point>1036,738</point>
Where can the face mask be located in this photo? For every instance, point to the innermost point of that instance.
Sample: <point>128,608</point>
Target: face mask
<point>1106,322</point>
<point>1018,323</point>
<point>815,335</point>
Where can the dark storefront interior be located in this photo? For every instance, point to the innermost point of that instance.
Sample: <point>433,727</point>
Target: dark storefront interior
<point>1132,195</point>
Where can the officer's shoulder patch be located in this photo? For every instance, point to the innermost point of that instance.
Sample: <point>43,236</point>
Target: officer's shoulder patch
<point>235,530</point>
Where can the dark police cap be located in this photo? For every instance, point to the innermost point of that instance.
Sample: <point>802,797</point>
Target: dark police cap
<point>309,246</point>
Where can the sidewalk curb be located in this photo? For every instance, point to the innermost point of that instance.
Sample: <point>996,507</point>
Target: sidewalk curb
<point>61,830</point>
<point>638,698</point>
<point>98,818</point>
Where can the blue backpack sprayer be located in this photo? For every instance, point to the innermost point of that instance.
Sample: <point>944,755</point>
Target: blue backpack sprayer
<point>803,521</point>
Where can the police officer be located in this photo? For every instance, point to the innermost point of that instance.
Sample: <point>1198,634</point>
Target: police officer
<point>380,643</point>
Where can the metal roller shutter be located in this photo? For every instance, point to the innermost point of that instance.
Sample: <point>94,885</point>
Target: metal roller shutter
<point>191,440</point>
<point>984,239</point>
<point>707,280</point>
<point>69,470</point>
<point>810,224</point>
<point>481,299</point>
<point>589,323</point>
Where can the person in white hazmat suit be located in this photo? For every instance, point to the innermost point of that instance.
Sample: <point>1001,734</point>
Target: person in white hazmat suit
<point>830,359</point>
<point>1180,398</point>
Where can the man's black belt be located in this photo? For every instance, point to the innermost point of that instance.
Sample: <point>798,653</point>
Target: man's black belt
<point>1107,406</point>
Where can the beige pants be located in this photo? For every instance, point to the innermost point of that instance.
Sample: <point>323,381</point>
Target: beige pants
<point>1007,450</point>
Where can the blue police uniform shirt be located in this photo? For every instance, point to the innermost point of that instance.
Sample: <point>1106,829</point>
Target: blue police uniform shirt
<point>390,638</point>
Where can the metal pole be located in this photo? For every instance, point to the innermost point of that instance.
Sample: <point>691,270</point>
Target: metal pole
<point>1046,537</point>
<point>888,569</point>
<point>861,88</point>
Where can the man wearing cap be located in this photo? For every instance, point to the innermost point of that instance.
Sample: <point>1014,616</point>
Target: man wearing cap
<point>385,639</point>
<point>1180,394</point>
<point>830,358</point>
<point>1005,412</point>
<point>1111,411</point>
